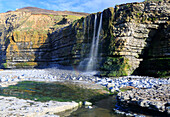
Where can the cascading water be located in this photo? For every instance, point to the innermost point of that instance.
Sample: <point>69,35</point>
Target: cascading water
<point>91,66</point>
<point>83,63</point>
<point>84,27</point>
<point>88,24</point>
<point>98,37</point>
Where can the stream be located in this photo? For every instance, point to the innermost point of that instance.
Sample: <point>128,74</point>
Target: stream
<point>102,108</point>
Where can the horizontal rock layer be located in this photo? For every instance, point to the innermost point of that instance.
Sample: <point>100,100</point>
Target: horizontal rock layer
<point>155,99</point>
<point>133,39</point>
<point>25,37</point>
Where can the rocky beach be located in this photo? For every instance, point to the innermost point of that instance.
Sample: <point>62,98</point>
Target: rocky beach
<point>146,91</point>
<point>15,107</point>
<point>154,99</point>
<point>55,61</point>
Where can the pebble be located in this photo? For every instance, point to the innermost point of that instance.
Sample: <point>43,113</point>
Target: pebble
<point>86,103</point>
<point>90,107</point>
<point>8,77</point>
<point>156,98</point>
<point>13,106</point>
<point>58,74</point>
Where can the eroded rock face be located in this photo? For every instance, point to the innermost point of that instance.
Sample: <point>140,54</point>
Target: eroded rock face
<point>137,36</point>
<point>24,36</point>
<point>133,39</point>
<point>156,98</point>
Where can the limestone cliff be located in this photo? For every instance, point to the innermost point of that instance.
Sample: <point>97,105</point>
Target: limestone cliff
<point>140,40</point>
<point>24,35</point>
<point>135,39</point>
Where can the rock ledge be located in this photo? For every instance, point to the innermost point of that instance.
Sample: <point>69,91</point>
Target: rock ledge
<point>156,98</point>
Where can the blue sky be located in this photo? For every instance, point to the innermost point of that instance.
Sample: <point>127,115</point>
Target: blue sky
<point>89,6</point>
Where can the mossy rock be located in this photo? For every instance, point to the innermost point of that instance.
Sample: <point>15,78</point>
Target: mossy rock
<point>57,91</point>
<point>115,66</point>
<point>26,64</point>
<point>5,65</point>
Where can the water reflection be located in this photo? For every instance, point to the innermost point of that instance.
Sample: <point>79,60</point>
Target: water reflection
<point>42,91</point>
<point>103,108</point>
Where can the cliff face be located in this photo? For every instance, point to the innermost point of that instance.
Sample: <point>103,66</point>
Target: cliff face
<point>139,42</point>
<point>24,36</point>
<point>135,39</point>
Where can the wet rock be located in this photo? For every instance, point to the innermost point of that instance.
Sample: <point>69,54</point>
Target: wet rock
<point>154,99</point>
<point>90,107</point>
<point>134,96</point>
<point>86,103</point>
<point>13,106</point>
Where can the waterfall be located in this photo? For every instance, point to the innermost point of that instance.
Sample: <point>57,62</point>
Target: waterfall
<point>91,66</point>
<point>84,27</point>
<point>89,63</point>
<point>98,36</point>
<point>88,26</point>
<point>83,63</point>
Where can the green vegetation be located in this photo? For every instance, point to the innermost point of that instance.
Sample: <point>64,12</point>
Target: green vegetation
<point>163,73</point>
<point>139,14</point>
<point>73,17</point>
<point>125,89</point>
<point>149,19</point>
<point>143,19</point>
<point>51,15</point>
<point>115,66</point>
<point>4,65</point>
<point>22,64</point>
<point>41,91</point>
<point>153,19</point>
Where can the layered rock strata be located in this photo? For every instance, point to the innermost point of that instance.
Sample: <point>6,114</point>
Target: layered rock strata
<point>134,40</point>
<point>24,36</point>
<point>134,36</point>
<point>155,99</point>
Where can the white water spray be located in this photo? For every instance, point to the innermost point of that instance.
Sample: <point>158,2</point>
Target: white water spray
<point>98,36</point>
<point>84,27</point>
<point>91,66</point>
